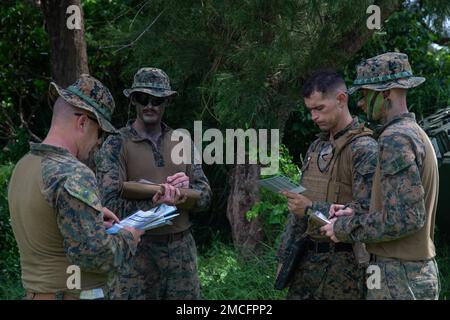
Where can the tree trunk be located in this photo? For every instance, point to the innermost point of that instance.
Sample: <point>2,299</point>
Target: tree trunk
<point>68,47</point>
<point>247,235</point>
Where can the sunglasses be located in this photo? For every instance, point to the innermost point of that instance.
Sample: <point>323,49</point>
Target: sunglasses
<point>100,131</point>
<point>146,99</point>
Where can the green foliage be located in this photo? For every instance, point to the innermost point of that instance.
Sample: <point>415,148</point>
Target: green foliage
<point>10,287</point>
<point>234,63</point>
<point>224,276</point>
<point>272,207</point>
<point>24,71</point>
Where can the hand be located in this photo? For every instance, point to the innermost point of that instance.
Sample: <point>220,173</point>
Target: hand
<point>328,230</point>
<point>339,210</point>
<point>179,180</point>
<point>109,218</point>
<point>297,203</point>
<point>170,196</point>
<point>137,233</point>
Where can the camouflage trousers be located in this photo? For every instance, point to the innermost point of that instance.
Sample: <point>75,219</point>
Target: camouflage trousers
<point>169,270</point>
<point>328,276</point>
<point>125,283</point>
<point>404,280</point>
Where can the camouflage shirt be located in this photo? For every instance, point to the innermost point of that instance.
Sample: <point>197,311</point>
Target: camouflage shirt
<point>364,157</point>
<point>401,159</point>
<point>111,173</point>
<point>71,189</point>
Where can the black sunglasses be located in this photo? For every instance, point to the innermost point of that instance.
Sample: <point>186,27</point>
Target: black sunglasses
<point>144,99</point>
<point>100,131</point>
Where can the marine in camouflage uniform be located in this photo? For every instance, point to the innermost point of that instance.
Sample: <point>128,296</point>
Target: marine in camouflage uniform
<point>399,228</point>
<point>166,263</point>
<point>332,275</point>
<point>56,212</point>
<point>338,165</point>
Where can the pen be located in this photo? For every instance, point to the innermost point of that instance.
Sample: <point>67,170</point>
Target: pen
<point>343,208</point>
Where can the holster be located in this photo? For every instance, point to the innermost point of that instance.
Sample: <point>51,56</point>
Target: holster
<point>290,263</point>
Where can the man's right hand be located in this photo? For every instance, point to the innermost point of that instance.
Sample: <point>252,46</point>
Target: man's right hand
<point>339,210</point>
<point>171,196</point>
<point>135,232</point>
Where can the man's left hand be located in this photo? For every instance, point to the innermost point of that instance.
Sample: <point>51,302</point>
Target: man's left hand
<point>109,218</point>
<point>179,180</point>
<point>297,203</point>
<point>328,230</point>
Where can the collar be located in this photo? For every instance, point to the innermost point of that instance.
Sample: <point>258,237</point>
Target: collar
<point>325,136</point>
<point>47,149</point>
<point>409,116</point>
<point>135,135</point>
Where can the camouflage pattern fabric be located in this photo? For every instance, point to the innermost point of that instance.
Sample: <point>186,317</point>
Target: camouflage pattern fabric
<point>89,94</point>
<point>169,269</point>
<point>328,276</point>
<point>71,188</point>
<point>385,71</point>
<point>153,81</point>
<point>403,212</point>
<point>318,270</point>
<point>401,154</point>
<point>406,280</point>
<point>110,173</point>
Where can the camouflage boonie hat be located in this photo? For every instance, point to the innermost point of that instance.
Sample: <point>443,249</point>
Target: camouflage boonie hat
<point>89,94</point>
<point>153,81</point>
<point>385,71</point>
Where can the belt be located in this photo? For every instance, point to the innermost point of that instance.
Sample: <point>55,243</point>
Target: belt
<point>376,258</point>
<point>97,293</point>
<point>324,247</point>
<point>49,296</point>
<point>170,237</point>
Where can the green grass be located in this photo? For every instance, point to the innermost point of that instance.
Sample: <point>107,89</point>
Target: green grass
<point>224,275</point>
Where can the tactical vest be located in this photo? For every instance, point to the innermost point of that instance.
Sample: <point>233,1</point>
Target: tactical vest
<point>335,184</point>
<point>42,257</point>
<point>419,245</point>
<point>141,164</point>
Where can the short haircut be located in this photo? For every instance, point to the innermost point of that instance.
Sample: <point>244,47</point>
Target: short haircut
<point>324,81</point>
